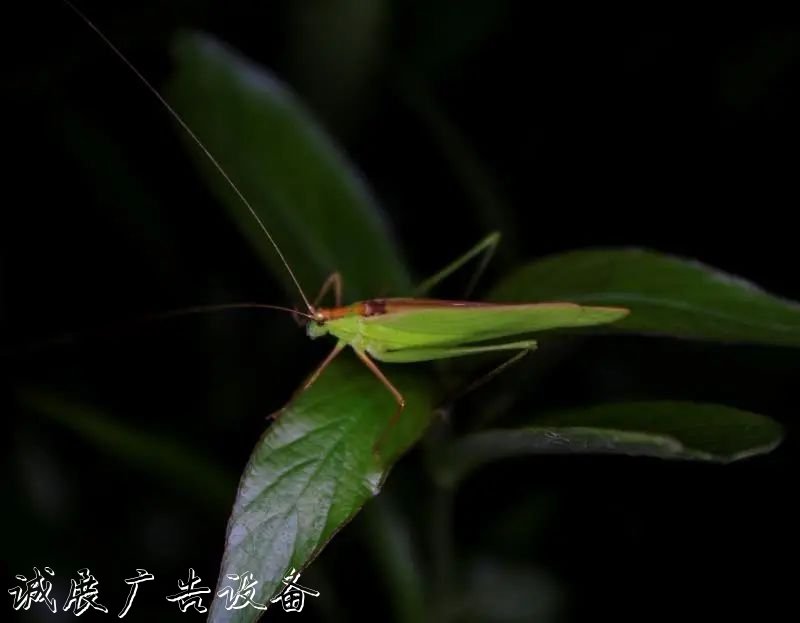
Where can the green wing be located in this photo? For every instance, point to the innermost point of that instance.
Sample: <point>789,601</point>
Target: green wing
<point>449,324</point>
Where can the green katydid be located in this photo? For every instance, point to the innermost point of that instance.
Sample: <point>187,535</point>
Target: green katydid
<point>406,330</point>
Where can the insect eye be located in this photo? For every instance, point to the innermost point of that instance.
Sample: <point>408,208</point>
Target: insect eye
<point>299,319</point>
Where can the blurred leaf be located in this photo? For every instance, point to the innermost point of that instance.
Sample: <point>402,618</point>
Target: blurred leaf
<point>137,213</point>
<point>389,539</point>
<point>335,48</point>
<point>168,460</point>
<point>501,592</point>
<point>666,295</point>
<point>466,164</point>
<point>315,204</point>
<point>312,471</point>
<point>446,34</point>
<point>667,430</point>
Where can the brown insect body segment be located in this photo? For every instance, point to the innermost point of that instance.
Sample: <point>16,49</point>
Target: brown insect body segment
<point>374,307</point>
<point>405,304</point>
<point>379,307</point>
<point>334,313</point>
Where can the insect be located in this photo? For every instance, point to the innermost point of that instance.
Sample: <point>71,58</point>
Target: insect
<point>404,330</point>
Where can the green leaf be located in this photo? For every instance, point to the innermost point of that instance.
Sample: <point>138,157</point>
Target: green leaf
<point>312,471</point>
<point>666,295</point>
<point>315,204</point>
<point>667,430</point>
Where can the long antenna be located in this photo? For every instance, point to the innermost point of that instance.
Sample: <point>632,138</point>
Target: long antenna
<point>202,309</point>
<point>199,143</point>
<point>71,338</point>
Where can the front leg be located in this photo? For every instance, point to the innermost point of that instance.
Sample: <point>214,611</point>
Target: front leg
<point>312,378</point>
<point>334,281</point>
<point>401,401</point>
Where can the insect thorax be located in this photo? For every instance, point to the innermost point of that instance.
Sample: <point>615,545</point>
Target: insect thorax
<point>316,329</point>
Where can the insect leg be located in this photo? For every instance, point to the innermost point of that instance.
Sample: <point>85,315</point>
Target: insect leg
<point>315,374</point>
<point>487,247</point>
<point>410,355</point>
<point>492,373</point>
<point>334,281</point>
<point>401,402</point>
<point>427,354</point>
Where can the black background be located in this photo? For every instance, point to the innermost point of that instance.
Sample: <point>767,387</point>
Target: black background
<point>587,132</point>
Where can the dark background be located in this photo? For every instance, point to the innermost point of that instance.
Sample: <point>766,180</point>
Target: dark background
<point>563,131</point>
